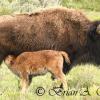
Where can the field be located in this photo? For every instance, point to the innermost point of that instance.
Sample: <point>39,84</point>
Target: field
<point>85,79</point>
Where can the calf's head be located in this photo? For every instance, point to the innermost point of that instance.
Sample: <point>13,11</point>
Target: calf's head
<point>9,60</point>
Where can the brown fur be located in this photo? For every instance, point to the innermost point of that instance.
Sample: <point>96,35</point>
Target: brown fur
<point>30,64</point>
<point>55,28</point>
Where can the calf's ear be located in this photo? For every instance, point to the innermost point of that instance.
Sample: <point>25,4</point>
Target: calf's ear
<point>98,29</point>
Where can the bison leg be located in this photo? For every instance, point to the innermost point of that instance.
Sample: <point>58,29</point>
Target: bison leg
<point>63,80</point>
<point>24,83</point>
<point>61,77</point>
<point>2,58</point>
<point>30,79</point>
<point>58,73</point>
<point>66,68</point>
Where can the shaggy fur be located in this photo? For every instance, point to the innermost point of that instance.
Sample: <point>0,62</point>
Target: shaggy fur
<point>30,64</point>
<point>55,28</point>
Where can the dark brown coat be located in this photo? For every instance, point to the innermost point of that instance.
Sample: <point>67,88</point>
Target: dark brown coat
<point>55,28</point>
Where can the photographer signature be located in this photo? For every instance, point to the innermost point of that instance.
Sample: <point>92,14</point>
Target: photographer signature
<point>40,91</point>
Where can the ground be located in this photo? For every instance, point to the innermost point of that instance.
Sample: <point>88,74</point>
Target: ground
<point>85,79</point>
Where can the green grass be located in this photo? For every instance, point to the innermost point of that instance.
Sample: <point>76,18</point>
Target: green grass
<point>92,15</point>
<point>92,5</point>
<point>79,77</point>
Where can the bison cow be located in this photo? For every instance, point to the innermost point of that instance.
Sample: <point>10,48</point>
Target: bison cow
<point>54,28</point>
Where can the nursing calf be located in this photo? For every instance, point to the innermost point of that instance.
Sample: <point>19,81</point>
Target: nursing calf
<point>29,64</point>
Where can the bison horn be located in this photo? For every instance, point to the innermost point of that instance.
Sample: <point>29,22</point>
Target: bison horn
<point>98,29</point>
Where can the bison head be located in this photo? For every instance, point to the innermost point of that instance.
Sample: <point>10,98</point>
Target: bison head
<point>91,52</point>
<point>94,31</point>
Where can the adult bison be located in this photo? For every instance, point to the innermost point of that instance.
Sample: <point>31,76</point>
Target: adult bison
<point>54,28</point>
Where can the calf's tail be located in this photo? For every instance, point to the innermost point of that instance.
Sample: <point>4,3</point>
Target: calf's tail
<point>66,57</point>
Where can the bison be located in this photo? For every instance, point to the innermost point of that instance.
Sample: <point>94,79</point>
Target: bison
<point>29,64</point>
<point>62,29</point>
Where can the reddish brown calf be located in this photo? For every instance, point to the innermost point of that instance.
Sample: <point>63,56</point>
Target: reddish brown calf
<point>30,64</point>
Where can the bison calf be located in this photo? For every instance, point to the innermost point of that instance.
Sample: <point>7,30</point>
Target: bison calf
<point>30,64</point>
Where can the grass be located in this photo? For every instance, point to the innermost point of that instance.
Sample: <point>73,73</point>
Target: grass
<point>92,15</point>
<point>92,5</point>
<point>79,78</point>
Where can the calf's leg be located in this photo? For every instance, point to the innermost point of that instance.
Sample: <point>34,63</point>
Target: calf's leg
<point>24,82</point>
<point>58,73</point>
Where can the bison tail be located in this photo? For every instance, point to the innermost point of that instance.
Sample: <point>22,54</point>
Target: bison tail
<point>66,57</point>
